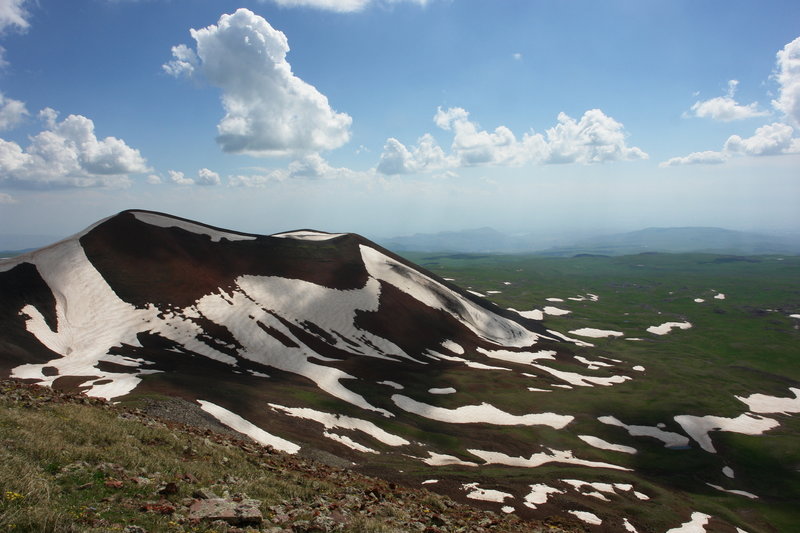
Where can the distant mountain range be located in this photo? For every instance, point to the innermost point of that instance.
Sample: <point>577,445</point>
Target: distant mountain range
<point>669,240</point>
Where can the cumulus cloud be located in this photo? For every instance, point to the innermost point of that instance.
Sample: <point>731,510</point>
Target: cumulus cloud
<point>426,156</point>
<point>725,108</point>
<point>595,138</point>
<point>312,166</point>
<point>772,139</point>
<point>12,112</point>
<point>787,73</point>
<point>207,177</point>
<point>7,198</point>
<point>268,110</point>
<point>153,179</point>
<point>13,14</point>
<point>340,6</point>
<point>708,157</point>
<point>68,154</point>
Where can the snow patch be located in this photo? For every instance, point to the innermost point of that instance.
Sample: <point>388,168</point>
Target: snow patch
<point>443,390</point>
<point>699,300</point>
<point>430,481</point>
<point>719,296</point>
<point>737,492</point>
<point>762,403</point>
<point>391,384</point>
<point>453,347</point>
<point>438,459</point>
<point>539,459</point>
<point>573,378</point>
<point>347,441</point>
<point>539,494</point>
<point>555,311</point>
<point>169,222</point>
<point>237,423</point>
<point>524,358</point>
<point>535,314</point>
<point>308,235</point>
<point>331,421</point>
<point>486,495</point>
<point>669,438</point>
<point>696,524</point>
<point>639,368</point>
<point>589,518</point>
<point>596,333</point>
<point>605,445</point>
<point>698,427</point>
<point>665,328</point>
<point>554,299</point>
<point>483,413</point>
<point>728,471</point>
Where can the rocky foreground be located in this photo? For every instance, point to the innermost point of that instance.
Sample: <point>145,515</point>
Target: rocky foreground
<point>74,463</point>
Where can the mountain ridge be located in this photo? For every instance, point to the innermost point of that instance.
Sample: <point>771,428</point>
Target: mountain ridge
<point>327,343</point>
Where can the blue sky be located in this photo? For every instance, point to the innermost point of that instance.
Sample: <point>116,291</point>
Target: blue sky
<point>389,117</point>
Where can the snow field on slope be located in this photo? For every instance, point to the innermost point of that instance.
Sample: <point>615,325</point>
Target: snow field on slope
<point>665,328</point>
<point>482,322</point>
<point>331,421</point>
<point>601,444</point>
<point>539,459</point>
<point>762,403</point>
<point>698,427</point>
<point>483,413</point>
<point>237,423</point>
<point>306,235</point>
<point>487,495</point>
<point>169,222</point>
<point>669,438</point>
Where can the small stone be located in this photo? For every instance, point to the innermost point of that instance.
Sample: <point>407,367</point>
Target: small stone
<point>234,513</point>
<point>204,494</point>
<point>168,488</point>
<point>113,483</point>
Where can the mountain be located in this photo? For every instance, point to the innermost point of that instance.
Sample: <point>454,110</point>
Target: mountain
<point>681,240</point>
<point>669,240</point>
<point>329,346</point>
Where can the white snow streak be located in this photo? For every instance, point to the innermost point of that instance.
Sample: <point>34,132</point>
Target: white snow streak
<point>487,495</point>
<point>665,328</point>
<point>539,494</point>
<point>761,403</point>
<point>483,413</point>
<point>696,524</point>
<point>605,445</point>
<point>698,427</point>
<point>539,459</point>
<point>237,423</point>
<point>331,421</point>
<point>667,437</point>
<point>596,333</point>
<point>169,222</point>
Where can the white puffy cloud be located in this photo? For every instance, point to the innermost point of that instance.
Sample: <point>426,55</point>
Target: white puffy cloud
<point>788,75</point>
<point>68,154</point>
<point>204,177</point>
<point>595,138</point>
<point>426,156</point>
<point>340,6</point>
<point>268,110</point>
<point>179,178</point>
<point>312,166</point>
<point>772,139</point>
<point>697,158</point>
<point>12,112</point>
<point>153,179</point>
<point>207,177</point>
<point>725,108</point>
<point>13,13</point>
<point>6,198</point>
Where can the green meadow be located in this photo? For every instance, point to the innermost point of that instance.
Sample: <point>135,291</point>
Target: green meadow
<point>742,344</point>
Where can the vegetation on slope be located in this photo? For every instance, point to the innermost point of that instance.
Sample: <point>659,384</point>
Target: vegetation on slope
<point>72,463</point>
